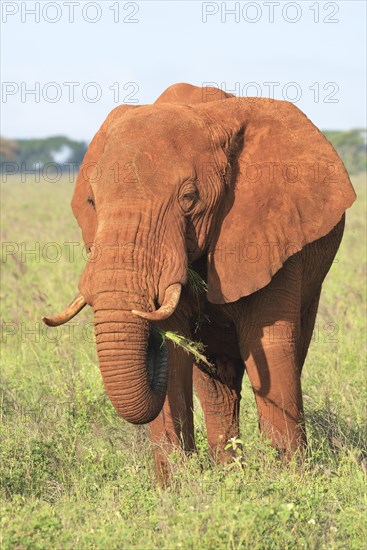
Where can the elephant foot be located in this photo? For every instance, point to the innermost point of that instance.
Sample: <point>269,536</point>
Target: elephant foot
<point>167,461</point>
<point>289,440</point>
<point>219,454</point>
<point>162,468</point>
<point>220,400</point>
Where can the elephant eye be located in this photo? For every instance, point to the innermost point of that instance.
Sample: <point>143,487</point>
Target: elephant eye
<point>91,201</point>
<point>188,199</point>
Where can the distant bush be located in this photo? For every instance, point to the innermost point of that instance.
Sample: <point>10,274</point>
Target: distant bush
<point>34,154</point>
<point>351,147</point>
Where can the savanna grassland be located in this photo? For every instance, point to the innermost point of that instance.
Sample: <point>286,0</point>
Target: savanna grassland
<point>76,476</point>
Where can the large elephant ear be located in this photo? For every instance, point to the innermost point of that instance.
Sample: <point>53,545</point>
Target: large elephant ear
<point>286,187</point>
<point>82,201</point>
<point>186,94</point>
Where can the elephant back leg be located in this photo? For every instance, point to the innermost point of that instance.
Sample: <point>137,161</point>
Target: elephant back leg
<point>308,319</point>
<point>220,400</point>
<point>317,259</point>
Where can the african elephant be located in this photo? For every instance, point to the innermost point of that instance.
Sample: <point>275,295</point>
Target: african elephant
<point>251,195</point>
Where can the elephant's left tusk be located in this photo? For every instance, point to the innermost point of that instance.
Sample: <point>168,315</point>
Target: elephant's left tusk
<point>69,312</point>
<point>170,302</point>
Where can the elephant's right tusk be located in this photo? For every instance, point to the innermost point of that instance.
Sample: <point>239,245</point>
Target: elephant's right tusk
<point>170,302</point>
<point>69,312</point>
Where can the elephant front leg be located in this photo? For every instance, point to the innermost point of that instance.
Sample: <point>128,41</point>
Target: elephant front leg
<point>273,370</point>
<point>269,336</point>
<point>174,428</point>
<point>220,400</point>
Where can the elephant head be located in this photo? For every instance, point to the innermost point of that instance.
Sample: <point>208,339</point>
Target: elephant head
<point>241,182</point>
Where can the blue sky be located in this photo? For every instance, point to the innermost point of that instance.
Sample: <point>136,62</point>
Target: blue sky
<point>319,62</point>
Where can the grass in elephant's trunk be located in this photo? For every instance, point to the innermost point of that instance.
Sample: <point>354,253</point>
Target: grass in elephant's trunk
<point>196,349</point>
<point>197,287</point>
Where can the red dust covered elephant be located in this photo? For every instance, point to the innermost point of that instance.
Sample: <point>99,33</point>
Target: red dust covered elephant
<point>250,194</point>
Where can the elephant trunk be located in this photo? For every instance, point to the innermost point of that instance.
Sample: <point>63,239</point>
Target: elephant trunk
<point>132,360</point>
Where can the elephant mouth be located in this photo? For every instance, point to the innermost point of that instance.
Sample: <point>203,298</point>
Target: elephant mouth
<point>157,360</point>
<point>171,299</point>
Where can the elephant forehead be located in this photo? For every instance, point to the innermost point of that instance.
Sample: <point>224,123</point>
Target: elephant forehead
<point>152,149</point>
<point>151,160</point>
<point>156,129</point>
<point>143,168</point>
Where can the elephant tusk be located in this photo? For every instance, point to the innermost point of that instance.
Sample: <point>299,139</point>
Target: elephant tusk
<point>69,312</point>
<point>170,302</point>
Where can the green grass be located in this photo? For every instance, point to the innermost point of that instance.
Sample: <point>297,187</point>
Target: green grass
<point>193,348</point>
<point>76,476</point>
